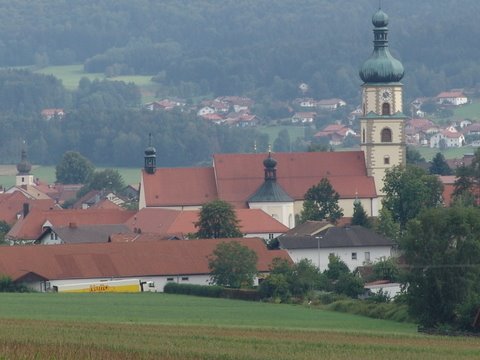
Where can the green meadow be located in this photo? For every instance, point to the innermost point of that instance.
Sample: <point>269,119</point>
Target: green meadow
<point>131,176</point>
<point>163,326</point>
<point>71,75</point>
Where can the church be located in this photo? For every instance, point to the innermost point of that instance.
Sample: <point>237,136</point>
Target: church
<point>277,183</point>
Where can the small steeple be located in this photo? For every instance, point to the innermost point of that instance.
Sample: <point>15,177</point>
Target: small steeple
<point>150,157</point>
<point>270,167</point>
<point>24,166</point>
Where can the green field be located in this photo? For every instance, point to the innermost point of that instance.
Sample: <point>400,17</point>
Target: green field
<point>47,174</point>
<point>450,153</point>
<point>162,326</point>
<point>71,75</point>
<point>272,131</point>
<point>469,111</point>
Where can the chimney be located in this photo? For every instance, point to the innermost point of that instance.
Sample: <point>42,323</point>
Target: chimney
<point>26,209</point>
<point>72,225</point>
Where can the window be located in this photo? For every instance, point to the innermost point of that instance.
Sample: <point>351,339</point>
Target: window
<point>386,135</point>
<point>386,160</point>
<point>354,256</point>
<point>367,256</point>
<point>363,136</point>
<point>185,278</point>
<point>385,109</point>
<point>270,236</point>
<point>170,279</point>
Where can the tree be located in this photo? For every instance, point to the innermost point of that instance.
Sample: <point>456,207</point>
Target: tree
<point>386,269</point>
<point>217,219</point>
<point>336,267</point>
<point>439,166</point>
<point>106,180</point>
<point>321,203</point>
<point>232,264</point>
<point>414,157</point>
<point>386,226</point>
<point>4,229</point>
<point>282,142</point>
<point>408,190</point>
<point>74,169</point>
<point>360,216</point>
<point>442,247</point>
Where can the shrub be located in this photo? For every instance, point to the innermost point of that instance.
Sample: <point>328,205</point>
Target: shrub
<point>7,285</point>
<point>190,289</point>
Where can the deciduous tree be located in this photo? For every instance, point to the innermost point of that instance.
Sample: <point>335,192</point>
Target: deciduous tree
<point>232,264</point>
<point>408,190</point>
<point>217,219</point>
<point>321,203</point>
<point>74,169</point>
<point>442,248</point>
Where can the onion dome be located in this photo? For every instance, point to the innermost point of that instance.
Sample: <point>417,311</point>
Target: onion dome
<point>269,162</point>
<point>150,150</point>
<point>150,157</point>
<point>24,166</point>
<point>380,19</point>
<point>381,67</point>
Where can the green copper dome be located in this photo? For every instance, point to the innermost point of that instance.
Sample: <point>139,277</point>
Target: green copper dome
<point>24,166</point>
<point>381,67</point>
<point>380,19</point>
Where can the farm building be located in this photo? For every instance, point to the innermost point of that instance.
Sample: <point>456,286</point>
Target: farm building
<point>181,261</point>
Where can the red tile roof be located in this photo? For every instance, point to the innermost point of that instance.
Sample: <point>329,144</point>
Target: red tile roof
<point>179,186</point>
<point>30,227</point>
<point>451,94</point>
<point>240,175</point>
<point>12,204</point>
<point>145,258</point>
<point>164,221</point>
<point>235,177</point>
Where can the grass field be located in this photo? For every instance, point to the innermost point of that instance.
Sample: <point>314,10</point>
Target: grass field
<point>470,111</point>
<point>47,174</point>
<point>450,153</point>
<point>272,131</point>
<point>162,326</point>
<point>71,75</point>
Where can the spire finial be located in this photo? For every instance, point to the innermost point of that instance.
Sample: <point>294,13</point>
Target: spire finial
<point>379,4</point>
<point>269,149</point>
<point>149,139</point>
<point>255,146</point>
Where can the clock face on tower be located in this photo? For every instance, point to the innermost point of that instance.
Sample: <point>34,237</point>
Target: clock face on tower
<point>386,94</point>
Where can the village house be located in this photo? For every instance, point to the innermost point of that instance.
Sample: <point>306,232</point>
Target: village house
<point>335,133</point>
<point>448,138</point>
<point>304,117</point>
<point>419,130</point>
<point>49,114</point>
<point>42,268</point>
<point>455,98</point>
<point>353,244</point>
<point>330,104</point>
<point>33,223</point>
<point>252,223</point>
<point>79,234</point>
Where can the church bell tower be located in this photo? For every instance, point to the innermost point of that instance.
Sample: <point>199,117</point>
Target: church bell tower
<point>382,124</point>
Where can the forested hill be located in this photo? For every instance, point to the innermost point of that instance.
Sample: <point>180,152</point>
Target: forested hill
<point>247,46</point>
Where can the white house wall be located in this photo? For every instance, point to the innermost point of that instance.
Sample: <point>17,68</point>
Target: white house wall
<point>159,281</point>
<point>344,253</point>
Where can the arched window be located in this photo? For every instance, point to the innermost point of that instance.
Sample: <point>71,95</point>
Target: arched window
<point>386,135</point>
<point>385,109</point>
<point>363,136</point>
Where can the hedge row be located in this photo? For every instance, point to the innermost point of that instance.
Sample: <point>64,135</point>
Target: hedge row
<point>212,291</point>
<point>386,311</point>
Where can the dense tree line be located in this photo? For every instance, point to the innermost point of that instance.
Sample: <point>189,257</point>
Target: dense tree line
<point>245,46</point>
